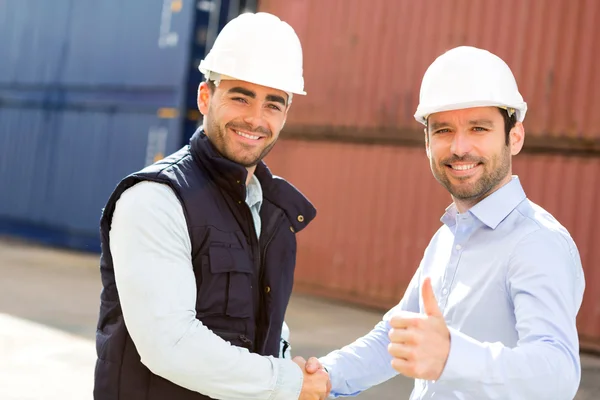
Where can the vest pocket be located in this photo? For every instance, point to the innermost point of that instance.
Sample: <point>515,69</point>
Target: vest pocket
<point>236,339</point>
<point>226,287</point>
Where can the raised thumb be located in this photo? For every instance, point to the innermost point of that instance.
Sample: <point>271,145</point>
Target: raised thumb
<point>429,301</point>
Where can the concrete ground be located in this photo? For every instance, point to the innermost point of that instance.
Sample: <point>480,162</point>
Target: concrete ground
<point>48,309</point>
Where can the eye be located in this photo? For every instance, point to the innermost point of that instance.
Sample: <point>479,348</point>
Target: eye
<point>274,107</point>
<point>239,99</point>
<point>480,129</point>
<point>443,130</point>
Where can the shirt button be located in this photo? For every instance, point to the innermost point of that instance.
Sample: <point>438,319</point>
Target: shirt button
<point>292,229</point>
<point>300,218</point>
<point>458,247</point>
<point>267,289</point>
<point>444,291</point>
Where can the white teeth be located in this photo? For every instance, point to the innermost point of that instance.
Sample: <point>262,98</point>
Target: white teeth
<point>463,167</point>
<point>247,136</point>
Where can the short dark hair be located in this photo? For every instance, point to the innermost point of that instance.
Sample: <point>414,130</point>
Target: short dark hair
<point>509,123</point>
<point>211,86</point>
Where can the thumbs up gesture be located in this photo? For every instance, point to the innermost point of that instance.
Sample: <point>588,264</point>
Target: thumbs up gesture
<point>420,343</point>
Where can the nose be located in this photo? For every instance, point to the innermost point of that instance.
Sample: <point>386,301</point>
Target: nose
<point>461,144</point>
<point>254,117</point>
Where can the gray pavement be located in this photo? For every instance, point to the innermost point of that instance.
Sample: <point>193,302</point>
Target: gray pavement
<point>48,309</point>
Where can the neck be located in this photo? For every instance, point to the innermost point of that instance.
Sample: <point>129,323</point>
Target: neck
<point>463,205</point>
<point>250,174</point>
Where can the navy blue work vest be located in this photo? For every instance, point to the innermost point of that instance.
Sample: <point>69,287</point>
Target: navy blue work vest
<point>244,284</point>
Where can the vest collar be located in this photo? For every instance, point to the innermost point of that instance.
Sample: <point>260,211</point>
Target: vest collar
<point>231,177</point>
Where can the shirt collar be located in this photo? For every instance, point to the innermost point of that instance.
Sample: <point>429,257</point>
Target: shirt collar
<point>254,194</point>
<point>494,208</point>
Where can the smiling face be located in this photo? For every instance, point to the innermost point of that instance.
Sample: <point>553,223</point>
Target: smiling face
<point>242,120</point>
<point>468,152</point>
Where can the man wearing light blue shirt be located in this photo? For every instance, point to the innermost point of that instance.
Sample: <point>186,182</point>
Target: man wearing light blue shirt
<point>490,312</point>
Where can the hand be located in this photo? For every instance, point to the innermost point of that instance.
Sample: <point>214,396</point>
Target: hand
<point>420,344</point>
<point>313,365</point>
<point>316,384</point>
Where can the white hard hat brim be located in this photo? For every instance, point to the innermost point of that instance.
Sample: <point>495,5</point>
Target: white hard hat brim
<point>423,113</point>
<point>232,75</point>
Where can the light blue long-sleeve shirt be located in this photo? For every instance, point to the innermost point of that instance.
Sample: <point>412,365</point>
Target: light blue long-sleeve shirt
<point>509,281</point>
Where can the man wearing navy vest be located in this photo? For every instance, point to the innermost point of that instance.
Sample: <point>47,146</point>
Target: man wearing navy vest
<point>199,249</point>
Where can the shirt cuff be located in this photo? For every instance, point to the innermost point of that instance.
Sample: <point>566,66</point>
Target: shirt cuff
<point>336,380</point>
<point>289,380</point>
<point>466,360</point>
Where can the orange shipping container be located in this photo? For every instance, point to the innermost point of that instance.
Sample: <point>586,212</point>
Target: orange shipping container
<point>364,61</point>
<point>378,207</point>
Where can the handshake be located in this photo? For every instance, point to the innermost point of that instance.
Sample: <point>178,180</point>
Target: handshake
<point>316,384</point>
<point>419,345</point>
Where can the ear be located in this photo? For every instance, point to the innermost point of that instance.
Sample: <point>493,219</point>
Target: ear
<point>517,138</point>
<point>203,98</point>
<point>427,143</point>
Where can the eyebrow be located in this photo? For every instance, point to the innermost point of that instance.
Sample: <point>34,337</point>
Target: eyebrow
<point>247,92</point>
<point>484,122</point>
<point>437,125</point>
<point>478,122</point>
<point>276,99</point>
<point>241,90</point>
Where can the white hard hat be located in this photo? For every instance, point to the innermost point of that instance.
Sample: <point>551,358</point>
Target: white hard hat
<point>467,77</point>
<point>257,48</point>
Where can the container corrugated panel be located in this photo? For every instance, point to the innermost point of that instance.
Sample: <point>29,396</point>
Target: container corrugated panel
<point>364,60</point>
<point>95,43</point>
<point>90,92</point>
<point>62,166</point>
<point>374,216</point>
<point>378,207</point>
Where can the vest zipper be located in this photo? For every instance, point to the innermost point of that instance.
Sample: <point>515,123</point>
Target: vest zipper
<point>272,226</point>
<point>255,244</point>
<point>259,263</point>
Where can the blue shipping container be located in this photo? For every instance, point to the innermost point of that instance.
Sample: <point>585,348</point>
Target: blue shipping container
<point>91,91</point>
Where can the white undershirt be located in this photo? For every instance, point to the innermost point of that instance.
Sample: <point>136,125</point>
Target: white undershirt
<point>151,253</point>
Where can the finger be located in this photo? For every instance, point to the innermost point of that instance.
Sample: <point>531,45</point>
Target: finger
<point>404,367</point>
<point>398,319</point>
<point>313,365</point>
<point>406,321</point>
<point>325,392</point>
<point>430,304</point>
<point>404,336</point>
<point>401,351</point>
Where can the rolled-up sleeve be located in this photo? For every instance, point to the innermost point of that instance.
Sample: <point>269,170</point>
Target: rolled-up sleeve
<point>546,284</point>
<point>151,252</point>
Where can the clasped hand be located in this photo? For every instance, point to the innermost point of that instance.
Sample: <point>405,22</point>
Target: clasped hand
<point>316,384</point>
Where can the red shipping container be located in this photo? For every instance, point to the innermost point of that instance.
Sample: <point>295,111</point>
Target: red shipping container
<point>364,60</point>
<point>378,207</point>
